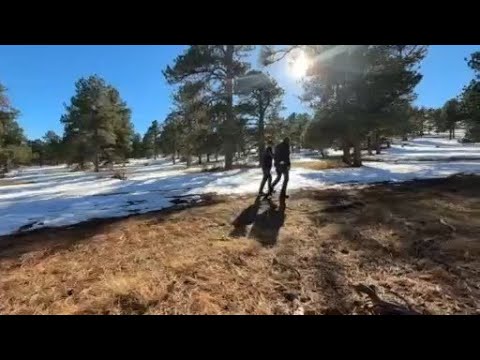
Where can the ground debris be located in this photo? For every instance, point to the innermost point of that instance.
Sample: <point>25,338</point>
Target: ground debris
<point>382,307</point>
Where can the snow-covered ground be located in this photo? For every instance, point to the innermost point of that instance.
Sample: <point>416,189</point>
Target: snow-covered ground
<point>55,196</point>
<point>431,148</point>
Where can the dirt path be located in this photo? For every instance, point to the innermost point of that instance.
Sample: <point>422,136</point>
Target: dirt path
<point>416,242</point>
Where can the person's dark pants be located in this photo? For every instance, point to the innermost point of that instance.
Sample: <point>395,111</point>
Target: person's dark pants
<point>281,170</point>
<point>267,176</point>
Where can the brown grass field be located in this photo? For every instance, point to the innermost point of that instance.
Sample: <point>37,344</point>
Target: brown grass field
<point>416,242</point>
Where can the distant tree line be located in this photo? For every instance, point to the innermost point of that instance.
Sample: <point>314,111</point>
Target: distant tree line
<point>360,97</point>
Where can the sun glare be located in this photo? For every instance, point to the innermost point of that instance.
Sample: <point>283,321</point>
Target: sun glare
<point>299,64</point>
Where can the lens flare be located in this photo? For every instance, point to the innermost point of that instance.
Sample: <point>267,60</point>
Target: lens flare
<point>299,64</point>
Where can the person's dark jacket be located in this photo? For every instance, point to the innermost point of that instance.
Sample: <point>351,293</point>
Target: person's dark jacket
<point>267,159</point>
<point>282,155</point>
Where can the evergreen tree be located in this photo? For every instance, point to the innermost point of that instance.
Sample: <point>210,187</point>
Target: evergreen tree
<point>38,151</point>
<point>171,136</point>
<point>260,95</point>
<point>151,140</point>
<point>14,149</point>
<point>276,128</point>
<point>53,148</point>
<point>192,113</point>
<point>137,147</point>
<point>452,114</point>
<point>471,100</point>
<point>296,127</point>
<point>96,123</point>
<point>216,66</point>
<point>361,89</point>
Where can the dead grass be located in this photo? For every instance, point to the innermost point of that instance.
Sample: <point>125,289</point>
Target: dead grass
<point>192,262</point>
<point>9,182</point>
<point>220,168</point>
<point>323,164</point>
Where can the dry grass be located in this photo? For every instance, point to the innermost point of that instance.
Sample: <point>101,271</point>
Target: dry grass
<point>194,261</point>
<point>322,164</point>
<point>219,168</point>
<point>8,182</point>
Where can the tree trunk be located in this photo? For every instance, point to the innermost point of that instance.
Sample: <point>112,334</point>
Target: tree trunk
<point>369,145</point>
<point>453,131</point>
<point>208,157</point>
<point>173,158</point>
<point>357,154</point>
<point>189,160</point>
<point>378,145</point>
<point>322,152</point>
<point>450,134</point>
<point>216,156</point>
<point>388,144</point>
<point>229,138</point>
<point>346,154</point>
<point>261,136</point>
<point>96,159</point>
<point>200,159</point>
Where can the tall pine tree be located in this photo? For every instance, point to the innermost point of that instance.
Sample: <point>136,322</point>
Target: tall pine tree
<point>217,66</point>
<point>97,123</point>
<point>13,144</point>
<point>471,100</point>
<point>260,96</point>
<point>151,140</point>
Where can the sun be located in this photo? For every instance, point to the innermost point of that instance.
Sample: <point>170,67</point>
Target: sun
<point>299,64</point>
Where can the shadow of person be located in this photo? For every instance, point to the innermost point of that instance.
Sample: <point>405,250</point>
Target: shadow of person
<point>245,218</point>
<point>267,224</point>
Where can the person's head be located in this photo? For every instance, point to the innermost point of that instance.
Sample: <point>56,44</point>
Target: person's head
<point>286,141</point>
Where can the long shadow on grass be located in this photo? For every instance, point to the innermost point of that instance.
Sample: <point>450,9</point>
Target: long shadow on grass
<point>266,224</point>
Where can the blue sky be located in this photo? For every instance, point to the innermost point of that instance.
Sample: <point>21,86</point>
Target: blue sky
<point>40,79</point>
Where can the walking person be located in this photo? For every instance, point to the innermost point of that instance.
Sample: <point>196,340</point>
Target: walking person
<point>282,166</point>
<point>266,163</point>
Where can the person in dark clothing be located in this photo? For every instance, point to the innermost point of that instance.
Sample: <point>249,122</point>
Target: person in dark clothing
<point>266,164</point>
<point>282,166</point>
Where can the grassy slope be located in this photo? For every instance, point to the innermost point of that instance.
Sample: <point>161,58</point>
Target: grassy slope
<point>418,240</point>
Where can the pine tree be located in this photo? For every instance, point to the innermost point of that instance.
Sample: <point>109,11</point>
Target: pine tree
<point>470,99</point>
<point>137,151</point>
<point>361,89</point>
<point>53,148</point>
<point>260,95</point>
<point>276,128</point>
<point>296,127</point>
<point>96,123</point>
<point>171,136</point>
<point>151,140</point>
<point>14,149</point>
<point>451,114</point>
<point>192,112</point>
<point>38,150</point>
<point>123,129</point>
<point>217,66</point>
